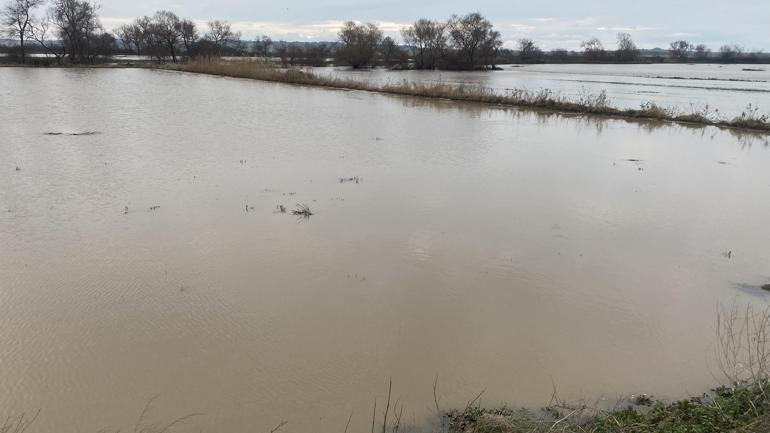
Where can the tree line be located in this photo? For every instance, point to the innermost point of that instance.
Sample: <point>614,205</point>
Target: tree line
<point>70,31</point>
<point>462,42</point>
<point>592,50</point>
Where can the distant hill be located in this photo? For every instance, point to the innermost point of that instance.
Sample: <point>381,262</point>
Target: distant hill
<point>653,52</point>
<point>30,43</point>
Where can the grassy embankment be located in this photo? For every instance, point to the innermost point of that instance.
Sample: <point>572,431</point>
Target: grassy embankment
<point>744,408</point>
<point>599,104</point>
<point>742,357</point>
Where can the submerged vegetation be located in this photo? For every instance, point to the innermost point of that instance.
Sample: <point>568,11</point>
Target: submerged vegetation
<point>302,211</point>
<point>597,104</point>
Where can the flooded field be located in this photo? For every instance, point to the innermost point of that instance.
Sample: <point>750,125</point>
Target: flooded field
<point>729,88</point>
<point>144,252</point>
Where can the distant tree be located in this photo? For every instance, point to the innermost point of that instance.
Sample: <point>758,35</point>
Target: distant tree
<point>295,54</point>
<point>17,21</point>
<point>166,30</point>
<point>559,54</point>
<point>469,34</point>
<point>317,54</point>
<point>593,49</point>
<point>359,43</point>
<point>680,50</point>
<point>188,32</point>
<point>77,24</point>
<point>390,53</point>
<point>490,49</point>
<point>41,31</point>
<point>132,37</point>
<point>753,55</point>
<point>220,33</point>
<point>730,52</point>
<point>103,44</point>
<point>702,52</point>
<point>627,50</point>
<point>281,48</point>
<point>428,41</point>
<point>261,46</point>
<point>528,50</point>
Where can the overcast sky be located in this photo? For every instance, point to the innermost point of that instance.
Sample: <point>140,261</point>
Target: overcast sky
<point>551,23</point>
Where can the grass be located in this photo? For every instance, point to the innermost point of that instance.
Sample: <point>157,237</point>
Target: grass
<point>742,355</point>
<point>739,409</point>
<point>597,104</point>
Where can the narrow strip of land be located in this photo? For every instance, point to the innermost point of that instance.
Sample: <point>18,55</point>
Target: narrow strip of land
<point>599,104</point>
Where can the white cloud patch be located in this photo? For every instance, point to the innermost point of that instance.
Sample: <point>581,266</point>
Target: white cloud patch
<point>300,31</point>
<point>547,32</point>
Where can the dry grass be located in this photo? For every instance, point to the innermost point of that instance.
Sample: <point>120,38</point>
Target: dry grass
<point>18,424</point>
<point>542,99</point>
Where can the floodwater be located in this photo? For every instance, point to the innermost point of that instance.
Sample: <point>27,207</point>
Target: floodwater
<point>500,250</point>
<point>685,87</point>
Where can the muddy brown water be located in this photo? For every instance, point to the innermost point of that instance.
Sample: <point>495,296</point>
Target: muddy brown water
<point>511,251</point>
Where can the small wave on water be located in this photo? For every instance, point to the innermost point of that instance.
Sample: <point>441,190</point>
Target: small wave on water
<point>625,83</point>
<point>740,80</point>
<point>74,134</point>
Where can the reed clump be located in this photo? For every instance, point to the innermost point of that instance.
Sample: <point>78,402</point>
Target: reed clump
<point>597,104</point>
<point>302,211</point>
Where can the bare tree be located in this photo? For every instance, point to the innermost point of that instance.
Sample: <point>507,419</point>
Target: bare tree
<point>165,29</point>
<point>593,48</point>
<point>428,41</point>
<point>528,50</point>
<point>389,51</point>
<point>188,32</point>
<point>730,52</point>
<point>469,34</point>
<point>282,50</point>
<point>627,49</point>
<point>17,19</point>
<point>103,44</point>
<point>261,46</point>
<point>490,49</point>
<point>315,54</point>
<point>40,32</point>
<point>702,52</point>
<point>77,24</point>
<point>132,36</point>
<point>359,43</point>
<point>680,50</point>
<point>221,33</point>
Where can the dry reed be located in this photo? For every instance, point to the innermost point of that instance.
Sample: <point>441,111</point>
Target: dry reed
<point>598,104</point>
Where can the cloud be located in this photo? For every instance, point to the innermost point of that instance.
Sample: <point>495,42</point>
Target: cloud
<point>309,22</point>
<point>304,31</point>
<point>682,35</point>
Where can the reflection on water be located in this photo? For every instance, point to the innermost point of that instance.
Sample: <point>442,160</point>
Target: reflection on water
<point>499,249</point>
<point>745,138</point>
